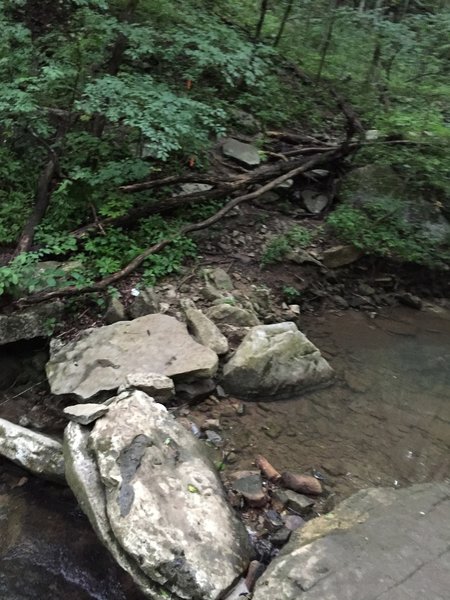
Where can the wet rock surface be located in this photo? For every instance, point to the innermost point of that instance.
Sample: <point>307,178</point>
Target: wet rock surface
<point>48,548</point>
<point>380,544</point>
<point>146,484</point>
<point>102,358</point>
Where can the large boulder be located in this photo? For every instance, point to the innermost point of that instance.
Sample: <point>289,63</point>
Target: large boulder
<point>380,544</point>
<point>275,360</point>
<point>102,358</point>
<point>156,501</point>
<point>31,323</point>
<point>35,452</point>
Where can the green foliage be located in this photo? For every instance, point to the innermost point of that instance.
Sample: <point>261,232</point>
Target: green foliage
<point>279,246</point>
<point>291,294</point>
<point>381,228</point>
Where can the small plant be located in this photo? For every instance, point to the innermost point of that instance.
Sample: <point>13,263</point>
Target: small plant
<point>279,246</point>
<point>290,294</point>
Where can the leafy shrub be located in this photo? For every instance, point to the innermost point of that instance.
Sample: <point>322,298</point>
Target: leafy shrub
<point>279,246</point>
<point>380,228</point>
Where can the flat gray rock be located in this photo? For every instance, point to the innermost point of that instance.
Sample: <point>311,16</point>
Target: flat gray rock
<point>103,358</point>
<point>147,486</point>
<point>160,387</point>
<point>85,413</point>
<point>35,452</point>
<point>244,153</point>
<point>380,544</point>
<point>275,360</point>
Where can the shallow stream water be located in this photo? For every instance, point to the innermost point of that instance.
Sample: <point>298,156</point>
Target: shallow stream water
<point>384,422</point>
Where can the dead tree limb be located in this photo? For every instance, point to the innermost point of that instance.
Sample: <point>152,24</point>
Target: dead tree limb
<point>102,284</point>
<point>224,187</point>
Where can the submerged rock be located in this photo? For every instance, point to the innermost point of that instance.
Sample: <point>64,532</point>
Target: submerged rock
<point>103,358</point>
<point>275,360</point>
<point>156,501</point>
<point>35,452</point>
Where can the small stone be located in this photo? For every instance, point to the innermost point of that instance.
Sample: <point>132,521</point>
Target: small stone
<point>115,312</point>
<point>145,302</point>
<point>410,300</point>
<point>221,393</point>
<point>340,301</point>
<point>273,520</point>
<point>297,502</point>
<point>213,437</point>
<point>85,413</point>
<point>280,537</point>
<point>232,458</point>
<point>250,487</point>
<point>240,410</point>
<point>293,522</point>
<point>339,256</point>
<point>213,424</point>
<point>195,391</point>
<point>294,308</point>
<point>203,329</point>
<point>366,290</point>
<point>273,431</point>
<point>155,385</point>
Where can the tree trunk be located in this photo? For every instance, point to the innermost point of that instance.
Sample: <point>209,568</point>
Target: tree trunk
<point>334,4</point>
<point>40,207</point>
<point>286,15</point>
<point>262,17</point>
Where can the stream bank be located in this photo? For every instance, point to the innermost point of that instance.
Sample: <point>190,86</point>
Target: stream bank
<point>385,422</point>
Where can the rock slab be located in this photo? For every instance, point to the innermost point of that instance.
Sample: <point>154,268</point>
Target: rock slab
<point>275,360</point>
<point>149,489</point>
<point>204,330</point>
<point>102,358</point>
<point>29,324</point>
<point>386,544</point>
<point>244,153</point>
<point>35,452</point>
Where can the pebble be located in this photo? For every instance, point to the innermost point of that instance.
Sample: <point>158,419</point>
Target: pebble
<point>293,522</point>
<point>250,487</point>
<point>280,537</point>
<point>303,484</point>
<point>297,502</point>
<point>214,438</point>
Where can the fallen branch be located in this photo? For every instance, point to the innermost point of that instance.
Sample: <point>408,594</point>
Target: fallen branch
<point>222,188</point>
<point>138,260</point>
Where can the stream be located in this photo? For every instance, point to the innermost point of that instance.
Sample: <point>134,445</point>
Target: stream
<point>384,422</point>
